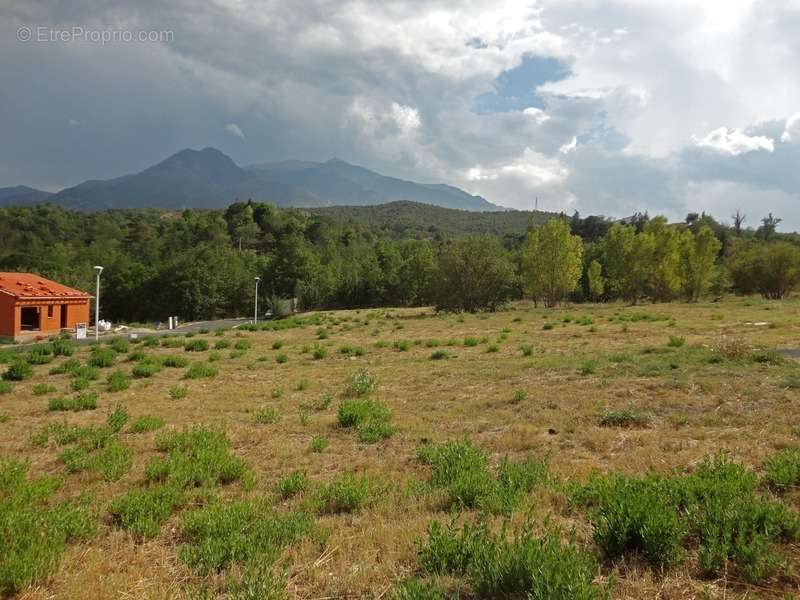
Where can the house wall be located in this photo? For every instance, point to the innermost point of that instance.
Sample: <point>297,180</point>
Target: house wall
<point>10,313</point>
<point>8,316</point>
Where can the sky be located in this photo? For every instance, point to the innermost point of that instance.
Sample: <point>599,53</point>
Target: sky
<point>606,108</point>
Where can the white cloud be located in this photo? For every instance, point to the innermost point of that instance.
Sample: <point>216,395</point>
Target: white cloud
<point>569,147</point>
<point>537,114</point>
<point>531,169</point>
<point>792,130</point>
<point>734,142</point>
<point>234,129</point>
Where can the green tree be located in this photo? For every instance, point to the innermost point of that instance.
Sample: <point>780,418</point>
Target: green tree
<point>697,266</point>
<point>594,280</point>
<point>664,258</point>
<point>626,257</point>
<point>473,273</point>
<point>551,262</point>
<point>772,270</point>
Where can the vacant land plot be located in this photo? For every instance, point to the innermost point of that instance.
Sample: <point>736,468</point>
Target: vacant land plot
<point>588,452</point>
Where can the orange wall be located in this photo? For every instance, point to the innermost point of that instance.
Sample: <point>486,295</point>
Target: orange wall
<point>10,312</point>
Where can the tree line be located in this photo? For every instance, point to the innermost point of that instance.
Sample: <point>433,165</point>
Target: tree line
<point>201,264</point>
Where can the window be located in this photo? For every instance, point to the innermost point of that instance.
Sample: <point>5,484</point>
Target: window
<point>50,311</point>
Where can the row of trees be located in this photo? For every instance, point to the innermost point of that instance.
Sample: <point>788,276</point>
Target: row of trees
<point>201,264</point>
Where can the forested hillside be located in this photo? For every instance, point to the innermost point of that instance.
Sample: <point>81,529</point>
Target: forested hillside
<point>201,263</point>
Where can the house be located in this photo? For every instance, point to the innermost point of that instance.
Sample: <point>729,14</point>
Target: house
<point>32,306</point>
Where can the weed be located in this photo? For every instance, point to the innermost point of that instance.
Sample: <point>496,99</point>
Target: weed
<point>42,389</point>
<point>402,345</point>
<point>5,387</point>
<point>146,423</point>
<point>676,341</point>
<point>79,402</point>
<point>322,403</point>
<point>267,416</point>
<point>470,342</point>
<point>222,344</point>
<point>782,470</point>
<point>117,381</point>
<point>623,418</point>
<point>178,392</point>
<point>119,345</point>
<point>102,358</point>
<point>319,443</point>
<point>175,362</point>
<point>277,345</point>
<point>548,326</point>
<point>291,485</point>
<point>440,355</point>
<point>276,393</point>
<point>143,512</point>
<point>242,345</point>
<point>519,396</point>
<point>361,383</point>
<point>62,347</point>
<point>117,418</point>
<point>319,352</point>
<point>200,370</point>
<point>281,358</point>
<point>526,349</point>
<point>196,345</point>
<point>145,370</point>
<point>18,371</point>
<point>79,383</point>
<point>492,348</point>
<point>345,494</point>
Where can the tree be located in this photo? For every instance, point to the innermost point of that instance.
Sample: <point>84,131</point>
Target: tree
<point>769,225</point>
<point>772,270</point>
<point>594,280</point>
<point>663,257</point>
<point>738,221</point>
<point>698,255</point>
<point>551,262</point>
<point>626,258</point>
<point>473,274</point>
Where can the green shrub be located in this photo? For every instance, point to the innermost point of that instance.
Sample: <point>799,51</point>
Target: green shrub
<point>319,443</point>
<point>623,418</point>
<point>291,485</point>
<point>525,566</point>
<point>117,381</point>
<point>492,348</point>
<point>119,345</point>
<point>237,353</point>
<point>198,345</point>
<point>150,342</point>
<point>87,372</point>
<point>113,461</point>
<point>200,370</point>
<point>345,494</point>
<point>68,366</point>
<point>417,589</point>
<point>146,423</point>
<point>178,392</point>
<point>782,470</point>
<point>281,358</point>
<point>361,383</point>
<point>242,345</point>
<point>34,530</point>
<point>143,512</point>
<point>402,345</point>
<point>267,416</point>
<point>676,341</point>
<point>221,535</point>
<point>42,389</point>
<point>62,347</point>
<point>277,345</point>
<point>548,326</point>
<point>222,344</point>
<point>78,402</point>
<point>470,341</point>
<point>18,371</point>
<point>440,355</point>
<point>319,352</point>
<point>102,358</point>
<point>588,367</point>
<point>117,418</point>
<point>145,370</point>
<point>432,343</point>
<point>172,342</point>
<point>526,349</point>
<point>40,354</point>
<point>519,396</point>
<point>214,356</point>
<point>175,361</point>
<point>79,383</point>
<point>5,387</point>
<point>196,456</point>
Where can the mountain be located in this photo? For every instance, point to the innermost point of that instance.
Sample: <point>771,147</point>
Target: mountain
<point>340,183</point>
<point>21,195</point>
<point>210,179</point>
<point>413,219</point>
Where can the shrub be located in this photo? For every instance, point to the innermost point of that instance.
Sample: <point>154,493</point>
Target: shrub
<point>102,358</point>
<point>470,341</point>
<point>79,402</point>
<point>40,354</point>
<point>417,589</point>
<point>113,461</point>
<point>267,416</point>
<point>62,347</point>
<point>440,355</point>
<point>117,381</point>
<point>281,358</point>
<point>361,383</point>
<point>588,367</point>
<point>782,470</point>
<point>119,345</point>
<point>178,392</point>
<point>623,418</point>
<point>301,385</point>
<point>345,494</point>
<point>68,366</point>
<point>117,418</point>
<point>291,485</point>
<point>145,370</point>
<point>323,402</point>
<point>548,326</point>
<point>79,383</point>
<point>34,531</point>
<point>220,535</point>
<point>319,443</point>
<point>519,396</point>
<point>87,372</point>
<point>319,352</point>
<point>200,370</point>
<point>146,423</point>
<point>222,344</point>
<point>526,349</point>
<point>5,387</point>
<point>676,341</point>
<point>18,371</point>
<point>432,343</point>
<point>42,389</point>
<point>196,456</point>
<point>277,345</point>
<point>402,345</point>
<point>175,361</point>
<point>196,345</point>
<point>242,345</point>
<point>150,342</point>
<point>143,512</point>
<point>492,348</point>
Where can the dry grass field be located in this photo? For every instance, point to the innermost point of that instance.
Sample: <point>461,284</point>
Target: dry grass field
<point>300,502</point>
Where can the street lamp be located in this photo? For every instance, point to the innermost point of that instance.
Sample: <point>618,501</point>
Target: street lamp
<point>98,269</point>
<point>255,314</point>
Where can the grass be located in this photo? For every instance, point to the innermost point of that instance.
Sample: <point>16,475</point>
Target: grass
<point>623,418</point>
<point>292,484</point>
<point>143,512</point>
<point>146,423</point>
<point>267,416</point>
<point>102,358</point>
<point>43,389</point>
<point>361,383</point>
<point>196,345</point>
<point>200,370</point>
<point>319,443</point>
<point>145,370</point>
<point>346,493</point>
<point>370,418</point>
<point>18,371</point>
<point>78,402</point>
<point>178,392</point>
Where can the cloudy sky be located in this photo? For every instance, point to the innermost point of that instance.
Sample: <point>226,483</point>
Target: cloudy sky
<point>602,107</point>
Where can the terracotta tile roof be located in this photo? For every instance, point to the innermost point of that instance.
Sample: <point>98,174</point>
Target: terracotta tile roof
<point>31,285</point>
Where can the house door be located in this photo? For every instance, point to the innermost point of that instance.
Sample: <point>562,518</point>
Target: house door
<point>64,316</point>
<point>29,318</point>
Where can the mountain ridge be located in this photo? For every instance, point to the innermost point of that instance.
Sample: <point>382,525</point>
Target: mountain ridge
<point>209,178</point>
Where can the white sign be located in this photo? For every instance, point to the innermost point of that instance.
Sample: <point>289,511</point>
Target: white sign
<point>80,331</point>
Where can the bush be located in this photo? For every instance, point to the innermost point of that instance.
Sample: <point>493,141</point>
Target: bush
<point>112,461</point>
<point>676,341</point>
<point>34,531</point>
<point>267,416</point>
<point>519,396</point>
<point>178,392</point>
<point>242,345</point>
<point>281,358</point>
<point>5,387</point>
<point>42,389</point>
<point>86,372</point>
<point>345,494</point>
<point>221,535</point>
<point>146,423</point>
<point>79,383</point>
<point>119,345</point>
<point>143,512</point>
<point>117,381</point>
<point>782,470</point>
<point>18,371</point>
<point>623,418</point>
<point>62,347</point>
<point>79,402</point>
<point>440,355</point>
<point>292,484</point>
<point>277,345</point>
<point>198,345</point>
<point>319,352</point>
<point>526,349</point>
<point>196,456</point>
<point>40,355</point>
<point>222,344</point>
<point>145,370</point>
<point>102,358</point>
<point>548,326</point>
<point>200,370</point>
<point>402,345</point>
<point>117,418</point>
<point>319,443</point>
<point>150,342</point>
<point>361,383</point>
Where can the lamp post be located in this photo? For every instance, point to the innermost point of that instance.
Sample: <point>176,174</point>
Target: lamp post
<point>255,313</point>
<point>98,269</point>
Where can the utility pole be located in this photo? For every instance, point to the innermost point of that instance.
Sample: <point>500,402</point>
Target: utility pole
<point>255,314</point>
<point>98,269</point>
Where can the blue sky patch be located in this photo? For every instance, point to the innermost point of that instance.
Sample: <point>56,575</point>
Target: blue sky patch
<point>515,89</point>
